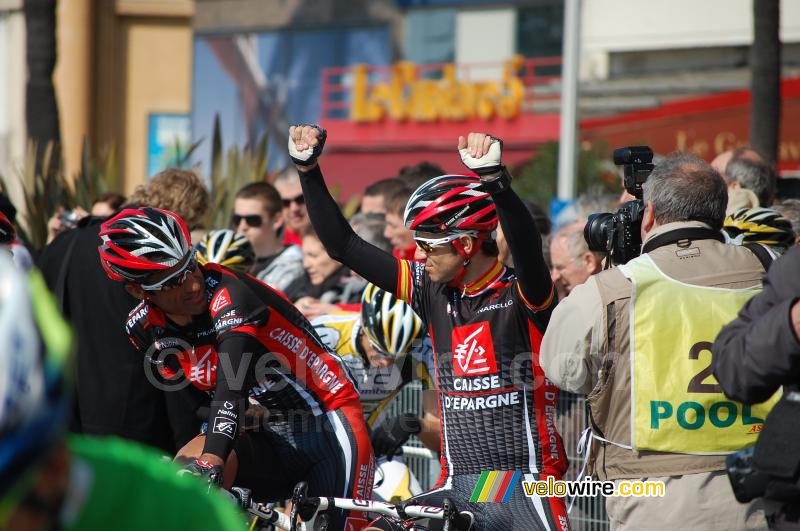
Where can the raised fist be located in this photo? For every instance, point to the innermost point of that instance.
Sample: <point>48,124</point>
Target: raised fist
<point>481,153</point>
<point>305,144</point>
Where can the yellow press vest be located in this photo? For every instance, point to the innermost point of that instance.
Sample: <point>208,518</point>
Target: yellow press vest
<point>676,403</point>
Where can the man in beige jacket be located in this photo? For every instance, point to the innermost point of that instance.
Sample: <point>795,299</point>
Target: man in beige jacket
<point>636,339</point>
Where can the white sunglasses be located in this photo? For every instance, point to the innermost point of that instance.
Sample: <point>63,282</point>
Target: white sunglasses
<point>429,244</point>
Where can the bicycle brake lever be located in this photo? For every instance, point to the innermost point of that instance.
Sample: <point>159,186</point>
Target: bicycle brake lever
<point>298,495</point>
<point>302,505</point>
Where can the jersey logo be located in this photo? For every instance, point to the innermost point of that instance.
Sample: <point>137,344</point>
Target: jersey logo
<point>473,350</point>
<point>225,426</point>
<point>220,301</point>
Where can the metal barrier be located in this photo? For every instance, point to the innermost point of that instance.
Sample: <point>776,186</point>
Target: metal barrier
<point>588,514</point>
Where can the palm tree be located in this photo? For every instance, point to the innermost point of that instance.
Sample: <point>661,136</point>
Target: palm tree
<point>41,109</point>
<point>765,68</point>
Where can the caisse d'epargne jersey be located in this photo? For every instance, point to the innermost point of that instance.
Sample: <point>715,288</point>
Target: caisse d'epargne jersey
<point>269,352</point>
<point>377,386</point>
<point>497,408</point>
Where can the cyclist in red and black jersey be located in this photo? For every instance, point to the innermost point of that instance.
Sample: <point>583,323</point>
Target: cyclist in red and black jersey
<point>486,322</point>
<point>225,333</point>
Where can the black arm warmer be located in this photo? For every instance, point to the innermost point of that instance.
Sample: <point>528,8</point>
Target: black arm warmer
<point>340,241</point>
<point>525,245</point>
<point>235,376</point>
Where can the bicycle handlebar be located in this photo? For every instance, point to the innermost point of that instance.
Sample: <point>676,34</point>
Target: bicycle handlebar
<point>306,507</point>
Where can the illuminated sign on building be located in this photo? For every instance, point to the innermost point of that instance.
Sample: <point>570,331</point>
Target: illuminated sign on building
<point>407,95</point>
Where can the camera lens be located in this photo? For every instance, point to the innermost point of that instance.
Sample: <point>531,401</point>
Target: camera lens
<point>595,232</point>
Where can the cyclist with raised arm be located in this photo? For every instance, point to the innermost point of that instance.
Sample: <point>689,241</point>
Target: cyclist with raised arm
<point>486,321</point>
<point>235,338</point>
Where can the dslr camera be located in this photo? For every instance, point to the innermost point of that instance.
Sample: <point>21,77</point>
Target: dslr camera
<point>619,235</point>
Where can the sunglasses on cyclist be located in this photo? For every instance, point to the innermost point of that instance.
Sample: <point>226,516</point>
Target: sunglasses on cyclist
<point>430,244</point>
<point>176,279</point>
<point>253,220</point>
<point>300,200</point>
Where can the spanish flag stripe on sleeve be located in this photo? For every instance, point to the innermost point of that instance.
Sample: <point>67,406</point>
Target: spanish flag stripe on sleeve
<point>404,281</point>
<point>547,302</point>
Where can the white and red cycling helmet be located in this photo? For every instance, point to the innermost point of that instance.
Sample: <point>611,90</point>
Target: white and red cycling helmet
<point>140,242</point>
<point>7,232</point>
<point>451,203</point>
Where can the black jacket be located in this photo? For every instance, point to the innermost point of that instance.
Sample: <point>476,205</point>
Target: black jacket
<point>114,394</point>
<point>759,351</point>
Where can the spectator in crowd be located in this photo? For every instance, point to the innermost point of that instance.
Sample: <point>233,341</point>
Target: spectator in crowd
<point>418,174</point>
<point>179,191</point>
<point>64,219</point>
<point>572,261</point>
<point>106,204</point>
<point>634,352</point>
<point>258,214</point>
<point>720,162</point>
<point>396,232</point>
<point>366,226</point>
<point>326,281</point>
<point>790,209</point>
<point>754,176</point>
<point>115,396</point>
<point>295,215</point>
<point>374,199</point>
<point>752,357</point>
<point>742,194</point>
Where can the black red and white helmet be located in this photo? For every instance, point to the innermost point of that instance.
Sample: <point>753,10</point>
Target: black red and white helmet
<point>451,203</point>
<point>7,232</point>
<point>226,248</point>
<point>140,242</point>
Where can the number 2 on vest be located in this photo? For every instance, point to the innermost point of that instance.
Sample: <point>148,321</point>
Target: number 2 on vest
<point>696,384</point>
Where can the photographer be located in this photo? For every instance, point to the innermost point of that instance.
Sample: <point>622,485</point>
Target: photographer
<point>753,356</point>
<point>634,338</point>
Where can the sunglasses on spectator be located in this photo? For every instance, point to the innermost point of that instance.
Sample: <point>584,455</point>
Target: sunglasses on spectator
<point>176,279</point>
<point>300,200</point>
<point>430,244</point>
<point>253,220</point>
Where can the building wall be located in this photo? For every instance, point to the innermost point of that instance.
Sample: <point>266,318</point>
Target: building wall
<point>497,41</point>
<point>610,26</point>
<point>158,79</point>
<point>119,61</point>
<point>73,77</point>
<point>12,94</point>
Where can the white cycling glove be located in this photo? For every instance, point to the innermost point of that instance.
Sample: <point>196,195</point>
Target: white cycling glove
<point>308,156</point>
<point>488,164</point>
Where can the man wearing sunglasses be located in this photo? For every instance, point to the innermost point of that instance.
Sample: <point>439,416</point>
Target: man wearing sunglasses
<point>258,214</point>
<point>295,213</point>
<point>226,341</point>
<point>486,322</point>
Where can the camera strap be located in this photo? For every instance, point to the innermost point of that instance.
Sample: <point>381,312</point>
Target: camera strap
<point>674,236</point>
